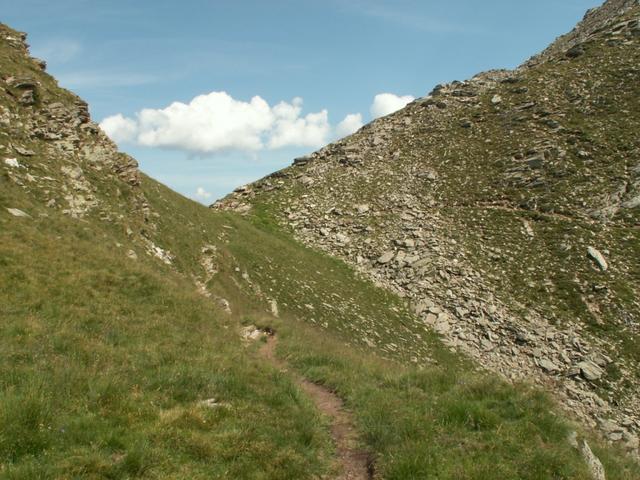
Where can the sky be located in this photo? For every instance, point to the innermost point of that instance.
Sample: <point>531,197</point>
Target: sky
<point>210,95</point>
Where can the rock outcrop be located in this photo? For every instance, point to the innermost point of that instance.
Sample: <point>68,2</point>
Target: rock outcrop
<point>53,150</point>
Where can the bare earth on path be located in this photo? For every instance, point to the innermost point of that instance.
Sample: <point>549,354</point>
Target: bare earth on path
<point>354,463</point>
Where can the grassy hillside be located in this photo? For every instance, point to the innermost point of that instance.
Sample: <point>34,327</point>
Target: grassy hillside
<point>121,356</point>
<point>511,203</point>
<point>106,360</point>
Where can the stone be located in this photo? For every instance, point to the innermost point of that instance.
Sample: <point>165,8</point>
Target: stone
<point>252,333</point>
<point>496,100</point>
<point>386,257</point>
<point>589,370</point>
<point>608,426</point>
<point>442,327</point>
<point>631,440</point>
<point>132,255</point>
<point>72,172</point>
<point>224,304</point>
<point>632,203</point>
<point>12,162</point>
<point>535,162</point>
<point>528,229</point>
<point>431,319</point>
<point>594,464</point>
<point>273,305</point>
<point>24,152</point>
<point>523,337</point>
<point>304,180</point>
<point>573,439</point>
<point>575,51</point>
<point>22,83</point>
<point>548,365</point>
<point>597,257</point>
<point>42,64</point>
<point>18,213</point>
<point>486,345</point>
<point>212,403</point>
<point>342,238</point>
<point>362,208</point>
<point>420,307</point>
<point>27,98</point>
<point>301,160</point>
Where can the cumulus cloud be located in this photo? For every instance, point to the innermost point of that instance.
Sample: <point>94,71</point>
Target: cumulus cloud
<point>202,193</point>
<point>386,103</point>
<point>350,124</point>
<point>292,129</point>
<point>217,122</point>
<point>119,128</point>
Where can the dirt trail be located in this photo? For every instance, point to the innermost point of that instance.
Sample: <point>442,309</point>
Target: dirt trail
<point>354,463</point>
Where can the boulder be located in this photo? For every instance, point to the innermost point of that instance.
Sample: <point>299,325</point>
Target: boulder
<point>598,258</point>
<point>589,370</point>
<point>386,257</point>
<point>18,213</point>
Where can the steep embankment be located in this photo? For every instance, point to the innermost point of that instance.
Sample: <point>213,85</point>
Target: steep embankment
<point>506,210</point>
<point>123,313</point>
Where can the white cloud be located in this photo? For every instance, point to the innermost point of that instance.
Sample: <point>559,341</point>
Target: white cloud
<point>292,129</point>
<point>202,193</point>
<point>350,124</point>
<point>217,122</point>
<point>386,103</point>
<point>119,128</point>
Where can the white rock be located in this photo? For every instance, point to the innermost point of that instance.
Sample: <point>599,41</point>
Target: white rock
<point>12,162</point>
<point>386,257</point>
<point>274,307</point>
<point>548,365</point>
<point>341,238</point>
<point>590,370</point>
<point>598,258</point>
<point>18,213</point>
<point>252,333</point>
<point>224,304</point>
<point>594,464</point>
<point>211,403</point>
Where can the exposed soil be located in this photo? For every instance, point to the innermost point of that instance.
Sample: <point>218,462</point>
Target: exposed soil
<point>354,463</point>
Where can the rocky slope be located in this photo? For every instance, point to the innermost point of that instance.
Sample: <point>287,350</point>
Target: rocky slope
<point>127,313</point>
<point>60,158</point>
<point>505,209</point>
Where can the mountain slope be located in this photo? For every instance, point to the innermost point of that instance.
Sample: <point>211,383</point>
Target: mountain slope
<point>126,317</point>
<point>506,210</point>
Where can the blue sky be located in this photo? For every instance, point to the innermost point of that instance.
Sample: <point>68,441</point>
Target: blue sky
<point>309,63</point>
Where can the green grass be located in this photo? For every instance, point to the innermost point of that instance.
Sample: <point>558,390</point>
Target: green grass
<point>104,360</point>
<point>442,422</point>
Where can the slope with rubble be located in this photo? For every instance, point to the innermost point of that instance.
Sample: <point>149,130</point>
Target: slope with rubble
<point>506,210</point>
<point>131,321</point>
